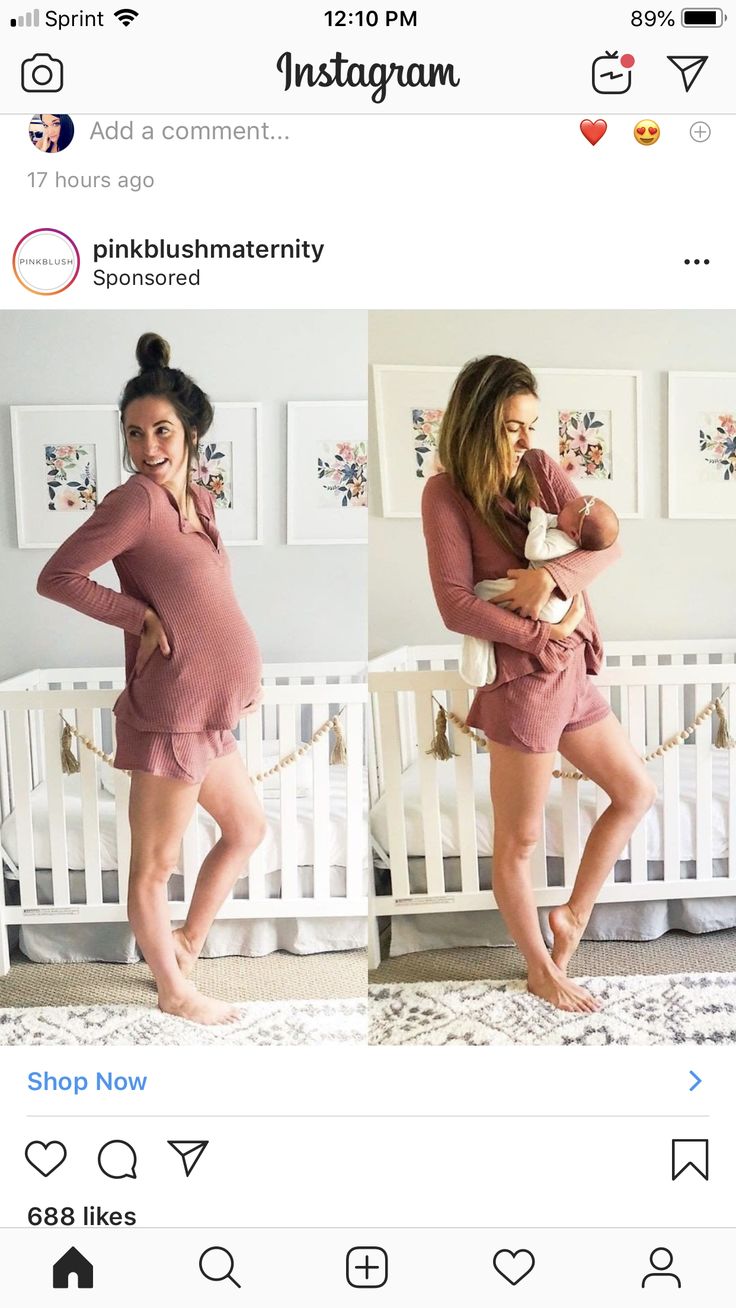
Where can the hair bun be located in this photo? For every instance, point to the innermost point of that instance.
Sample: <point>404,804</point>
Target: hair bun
<point>152,352</point>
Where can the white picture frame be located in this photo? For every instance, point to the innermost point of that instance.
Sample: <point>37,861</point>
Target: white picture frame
<point>35,428</point>
<point>400,392</point>
<point>613,397</point>
<point>237,427</point>
<point>697,403</point>
<point>320,509</point>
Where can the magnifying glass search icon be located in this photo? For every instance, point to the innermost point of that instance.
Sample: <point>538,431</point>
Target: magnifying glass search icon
<point>218,1264</point>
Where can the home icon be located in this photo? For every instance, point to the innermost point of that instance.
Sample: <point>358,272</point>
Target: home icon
<point>73,1263</point>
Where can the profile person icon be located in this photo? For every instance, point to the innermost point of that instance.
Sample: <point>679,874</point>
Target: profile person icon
<point>661,1260</point>
<point>51,133</point>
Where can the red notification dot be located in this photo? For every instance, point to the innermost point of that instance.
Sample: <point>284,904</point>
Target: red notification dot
<point>627,61</point>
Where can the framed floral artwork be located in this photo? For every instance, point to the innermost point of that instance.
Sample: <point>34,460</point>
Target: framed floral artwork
<point>409,404</point>
<point>65,460</point>
<point>327,472</point>
<point>589,421</point>
<point>230,465</point>
<point>701,429</point>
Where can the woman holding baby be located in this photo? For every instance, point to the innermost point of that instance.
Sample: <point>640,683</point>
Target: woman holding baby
<point>537,698</point>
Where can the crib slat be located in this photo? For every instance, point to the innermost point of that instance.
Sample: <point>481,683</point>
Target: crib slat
<point>6,794</point>
<point>625,661</point>
<point>703,788</point>
<point>637,735</point>
<point>190,856</point>
<point>429,795</point>
<point>671,725</point>
<point>390,734</point>
<point>254,760</point>
<point>652,698</point>
<point>90,810</point>
<point>731,825</point>
<point>356,817</point>
<point>465,798</point>
<point>321,804</point>
<point>287,803</point>
<point>20,761</point>
<point>56,814</point>
<point>571,843</point>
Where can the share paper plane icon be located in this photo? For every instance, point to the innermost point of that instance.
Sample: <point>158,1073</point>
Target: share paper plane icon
<point>690,66</point>
<point>190,1152</point>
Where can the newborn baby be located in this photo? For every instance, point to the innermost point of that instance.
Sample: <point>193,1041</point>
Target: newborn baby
<point>583,523</point>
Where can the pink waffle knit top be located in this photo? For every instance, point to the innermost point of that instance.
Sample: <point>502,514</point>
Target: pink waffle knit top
<point>463,550</point>
<point>166,564</point>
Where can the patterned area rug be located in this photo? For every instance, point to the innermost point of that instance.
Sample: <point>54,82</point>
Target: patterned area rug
<point>636,1010</point>
<point>297,1022</point>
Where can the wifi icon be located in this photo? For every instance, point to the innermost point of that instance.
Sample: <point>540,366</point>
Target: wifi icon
<point>126,16</point>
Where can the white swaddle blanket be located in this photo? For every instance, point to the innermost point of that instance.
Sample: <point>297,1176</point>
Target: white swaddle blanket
<point>544,541</point>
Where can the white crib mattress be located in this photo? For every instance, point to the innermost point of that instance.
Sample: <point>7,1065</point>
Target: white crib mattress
<point>484,818</point>
<point>205,824</point>
<point>113,942</point>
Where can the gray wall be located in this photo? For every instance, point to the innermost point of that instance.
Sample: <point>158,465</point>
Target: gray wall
<point>303,602</point>
<point>677,578</point>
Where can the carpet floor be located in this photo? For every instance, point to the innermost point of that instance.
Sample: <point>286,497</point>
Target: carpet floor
<point>273,978</point>
<point>635,1010</point>
<point>295,1022</point>
<point>715,951</point>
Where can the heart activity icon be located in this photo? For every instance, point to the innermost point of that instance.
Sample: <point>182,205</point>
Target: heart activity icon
<point>514,1265</point>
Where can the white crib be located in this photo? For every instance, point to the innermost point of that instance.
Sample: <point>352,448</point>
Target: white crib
<point>35,794</point>
<point>429,813</point>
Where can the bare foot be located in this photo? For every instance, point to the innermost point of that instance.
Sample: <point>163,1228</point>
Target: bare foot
<point>554,986</point>
<point>186,955</point>
<point>198,1008</point>
<point>567,930</point>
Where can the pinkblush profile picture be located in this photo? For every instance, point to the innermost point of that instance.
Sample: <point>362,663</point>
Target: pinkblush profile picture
<point>46,261</point>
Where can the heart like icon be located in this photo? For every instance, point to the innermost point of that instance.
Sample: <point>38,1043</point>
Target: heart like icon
<point>45,1157</point>
<point>513,1265</point>
<point>593,131</point>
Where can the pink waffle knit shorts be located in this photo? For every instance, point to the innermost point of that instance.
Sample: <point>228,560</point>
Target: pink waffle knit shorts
<point>185,755</point>
<point>532,712</point>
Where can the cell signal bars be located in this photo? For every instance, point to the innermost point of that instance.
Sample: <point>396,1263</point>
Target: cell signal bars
<point>28,20</point>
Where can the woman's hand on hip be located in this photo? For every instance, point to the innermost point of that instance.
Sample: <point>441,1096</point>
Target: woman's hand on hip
<point>532,588</point>
<point>153,637</point>
<point>571,620</point>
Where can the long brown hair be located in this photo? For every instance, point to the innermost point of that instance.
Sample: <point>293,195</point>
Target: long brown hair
<point>474,447</point>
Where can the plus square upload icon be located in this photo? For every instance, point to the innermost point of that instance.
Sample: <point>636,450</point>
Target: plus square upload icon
<point>366,1267</point>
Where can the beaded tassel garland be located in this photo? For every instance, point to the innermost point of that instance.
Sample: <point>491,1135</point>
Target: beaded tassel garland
<point>338,755</point>
<point>440,747</point>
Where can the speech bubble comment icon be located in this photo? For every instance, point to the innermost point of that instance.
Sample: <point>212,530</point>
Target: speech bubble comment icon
<point>117,1159</point>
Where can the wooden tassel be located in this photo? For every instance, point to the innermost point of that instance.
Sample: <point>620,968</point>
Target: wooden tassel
<point>68,762</point>
<point>440,747</point>
<point>724,740</point>
<point>339,749</point>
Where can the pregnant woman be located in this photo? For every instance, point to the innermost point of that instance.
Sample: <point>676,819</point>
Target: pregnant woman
<point>191,662</point>
<point>475,515</point>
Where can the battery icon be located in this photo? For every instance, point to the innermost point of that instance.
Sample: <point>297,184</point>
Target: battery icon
<point>702,18</point>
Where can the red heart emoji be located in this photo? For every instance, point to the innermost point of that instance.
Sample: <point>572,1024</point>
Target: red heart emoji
<point>640,131</point>
<point>593,131</point>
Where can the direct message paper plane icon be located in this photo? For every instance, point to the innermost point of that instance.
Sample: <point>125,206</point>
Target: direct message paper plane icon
<point>690,66</point>
<point>190,1152</point>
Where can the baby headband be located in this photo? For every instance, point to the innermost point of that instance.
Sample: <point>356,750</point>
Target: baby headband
<point>588,502</point>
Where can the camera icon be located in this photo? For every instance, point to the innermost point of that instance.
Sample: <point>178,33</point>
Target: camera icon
<point>42,73</point>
